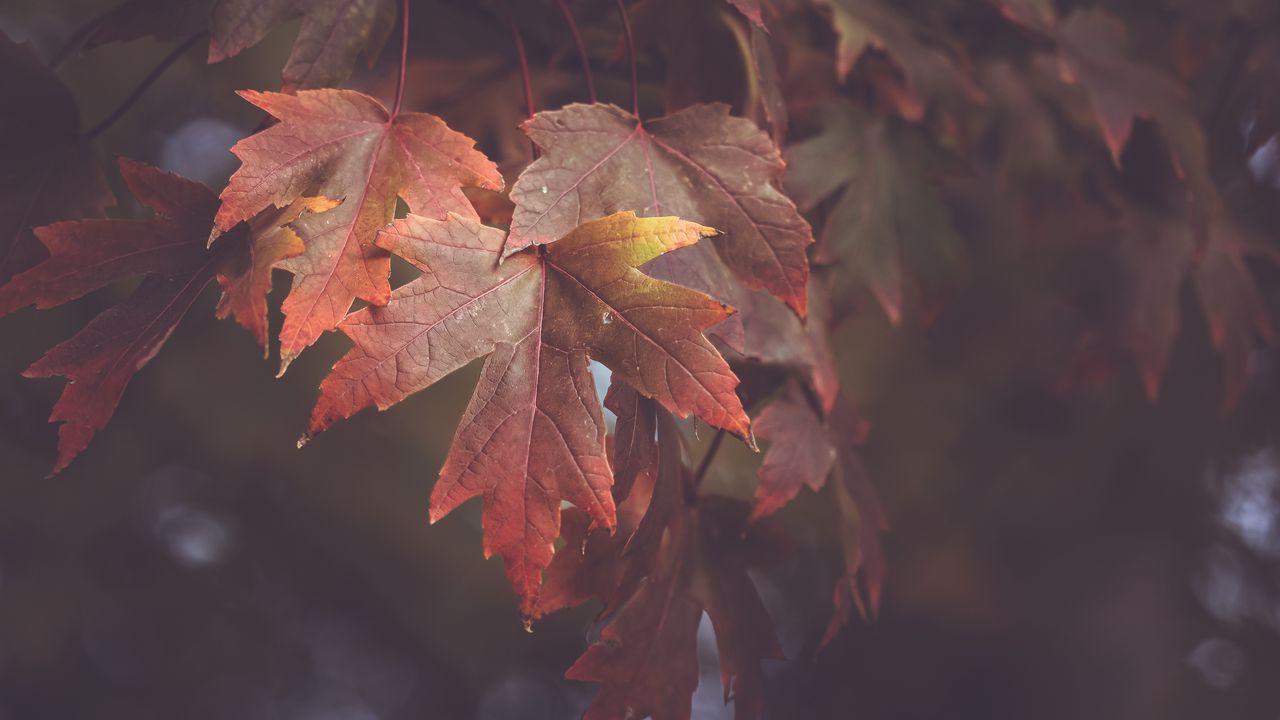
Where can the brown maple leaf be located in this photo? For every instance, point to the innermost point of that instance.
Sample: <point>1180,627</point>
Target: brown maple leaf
<point>47,170</point>
<point>888,212</point>
<point>1120,89</point>
<point>698,163</point>
<point>933,71</point>
<point>344,145</point>
<point>1156,253</point>
<point>533,433</point>
<point>330,36</point>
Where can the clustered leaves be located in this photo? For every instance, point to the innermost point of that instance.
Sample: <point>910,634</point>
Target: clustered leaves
<point>674,246</point>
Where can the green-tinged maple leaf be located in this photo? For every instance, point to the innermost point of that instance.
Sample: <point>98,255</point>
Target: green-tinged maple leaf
<point>533,434</point>
<point>1094,54</point>
<point>698,163</point>
<point>47,171</point>
<point>932,71</point>
<point>345,145</point>
<point>887,212</point>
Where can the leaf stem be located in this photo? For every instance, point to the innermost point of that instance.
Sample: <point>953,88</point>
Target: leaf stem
<point>582,49</point>
<point>404,56</point>
<point>705,465</point>
<point>631,56</point>
<point>77,40</point>
<point>143,86</point>
<point>524,75</point>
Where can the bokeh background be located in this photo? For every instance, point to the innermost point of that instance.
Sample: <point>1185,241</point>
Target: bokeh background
<point>1078,555</point>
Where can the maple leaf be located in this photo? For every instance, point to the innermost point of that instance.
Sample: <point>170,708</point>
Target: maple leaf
<point>931,70</point>
<point>698,163</point>
<point>807,451</point>
<point>1232,304</point>
<point>667,562</point>
<point>861,522</point>
<point>330,36</point>
<point>887,210</point>
<point>800,452</point>
<point>344,145</point>
<point>646,660</point>
<point>1093,54</point>
<point>85,255</point>
<point>635,446</point>
<point>245,284</point>
<point>48,171</point>
<point>1156,254</point>
<point>533,433</point>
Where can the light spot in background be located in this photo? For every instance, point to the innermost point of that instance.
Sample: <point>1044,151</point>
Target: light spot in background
<point>200,149</point>
<point>1226,583</point>
<point>171,507</point>
<point>356,677</point>
<point>519,697</point>
<point>1248,504</point>
<point>1263,162</point>
<point>193,537</point>
<point>1219,662</point>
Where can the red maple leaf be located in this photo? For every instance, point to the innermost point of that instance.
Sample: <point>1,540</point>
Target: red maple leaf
<point>345,145</point>
<point>533,433</point>
<point>85,255</point>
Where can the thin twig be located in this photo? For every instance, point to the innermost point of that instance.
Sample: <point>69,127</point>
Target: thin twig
<point>582,49</point>
<point>706,459</point>
<point>631,56</point>
<point>143,86</point>
<point>404,55</point>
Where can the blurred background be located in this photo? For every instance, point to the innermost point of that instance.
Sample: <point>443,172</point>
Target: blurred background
<point>1088,554</point>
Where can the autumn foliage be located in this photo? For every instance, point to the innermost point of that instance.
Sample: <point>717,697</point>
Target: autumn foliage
<point>699,208</point>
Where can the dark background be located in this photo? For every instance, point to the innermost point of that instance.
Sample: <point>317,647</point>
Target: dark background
<point>1082,555</point>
